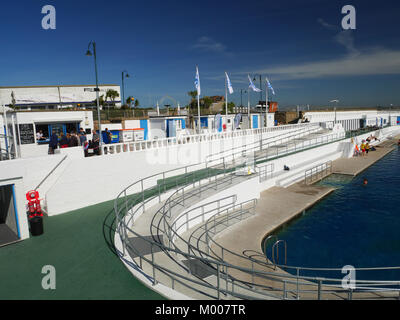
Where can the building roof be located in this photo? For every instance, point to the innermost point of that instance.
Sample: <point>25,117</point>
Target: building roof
<point>62,85</point>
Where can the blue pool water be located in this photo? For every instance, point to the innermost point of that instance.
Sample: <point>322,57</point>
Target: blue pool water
<point>356,225</point>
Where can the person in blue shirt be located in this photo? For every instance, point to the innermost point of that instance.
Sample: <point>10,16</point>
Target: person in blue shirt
<point>109,136</point>
<point>53,144</point>
<point>82,136</point>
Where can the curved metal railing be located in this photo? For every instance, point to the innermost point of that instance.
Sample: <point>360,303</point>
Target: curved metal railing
<point>133,200</point>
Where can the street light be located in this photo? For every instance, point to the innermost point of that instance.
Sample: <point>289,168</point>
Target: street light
<point>124,75</point>
<point>254,79</point>
<point>89,54</point>
<point>241,96</point>
<point>337,101</point>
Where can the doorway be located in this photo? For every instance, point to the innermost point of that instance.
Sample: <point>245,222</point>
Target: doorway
<point>9,227</point>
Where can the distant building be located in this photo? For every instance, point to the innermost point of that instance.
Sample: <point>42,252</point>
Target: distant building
<point>216,99</point>
<point>56,97</point>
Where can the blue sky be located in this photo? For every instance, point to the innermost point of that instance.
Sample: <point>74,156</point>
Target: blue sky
<point>300,45</point>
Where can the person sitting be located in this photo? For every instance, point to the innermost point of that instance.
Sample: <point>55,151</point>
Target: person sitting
<point>367,147</point>
<point>286,168</point>
<point>39,136</point>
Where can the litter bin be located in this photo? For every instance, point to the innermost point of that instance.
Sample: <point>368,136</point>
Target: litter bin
<point>36,224</point>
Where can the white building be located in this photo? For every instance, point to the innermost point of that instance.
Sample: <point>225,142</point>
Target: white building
<point>353,119</point>
<point>23,127</point>
<point>55,97</point>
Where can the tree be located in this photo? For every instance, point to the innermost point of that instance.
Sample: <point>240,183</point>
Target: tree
<point>136,103</point>
<point>231,106</point>
<point>12,105</point>
<point>193,94</point>
<point>112,94</point>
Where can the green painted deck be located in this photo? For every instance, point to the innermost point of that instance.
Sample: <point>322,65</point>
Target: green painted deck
<point>79,245</point>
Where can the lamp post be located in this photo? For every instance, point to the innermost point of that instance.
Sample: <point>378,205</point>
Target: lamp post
<point>334,108</point>
<point>254,79</point>
<point>241,96</point>
<point>124,75</point>
<point>89,53</point>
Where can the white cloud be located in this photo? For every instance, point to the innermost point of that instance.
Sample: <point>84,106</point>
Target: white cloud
<point>209,45</point>
<point>374,62</point>
<point>327,25</point>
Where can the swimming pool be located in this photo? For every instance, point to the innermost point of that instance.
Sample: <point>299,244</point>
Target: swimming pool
<point>356,225</point>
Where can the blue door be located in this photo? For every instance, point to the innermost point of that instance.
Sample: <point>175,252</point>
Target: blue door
<point>171,128</point>
<point>255,122</point>
<point>204,122</point>
<point>143,124</point>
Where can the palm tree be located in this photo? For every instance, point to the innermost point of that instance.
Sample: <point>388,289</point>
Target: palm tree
<point>112,94</point>
<point>193,94</point>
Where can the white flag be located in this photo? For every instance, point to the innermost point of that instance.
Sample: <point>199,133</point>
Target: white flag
<point>229,84</point>
<point>270,87</point>
<point>197,81</point>
<point>253,86</point>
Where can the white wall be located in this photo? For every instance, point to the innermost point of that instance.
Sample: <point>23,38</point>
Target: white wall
<point>97,179</point>
<point>12,173</point>
<point>53,94</point>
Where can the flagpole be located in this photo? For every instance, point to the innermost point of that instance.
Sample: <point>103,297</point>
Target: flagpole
<point>197,82</point>
<point>226,101</point>
<point>266,101</point>
<point>248,107</point>
<point>198,111</point>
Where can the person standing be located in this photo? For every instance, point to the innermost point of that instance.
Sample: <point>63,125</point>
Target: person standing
<point>95,143</point>
<point>109,136</point>
<point>82,137</point>
<point>63,140</point>
<point>73,142</point>
<point>53,144</point>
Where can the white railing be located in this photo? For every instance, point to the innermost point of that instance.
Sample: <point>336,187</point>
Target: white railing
<point>133,146</point>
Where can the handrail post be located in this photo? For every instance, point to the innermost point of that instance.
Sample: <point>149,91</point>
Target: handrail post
<point>297,285</point>
<point>218,279</point>
<point>319,289</point>
<point>152,263</point>
<point>142,193</point>
<point>284,290</point>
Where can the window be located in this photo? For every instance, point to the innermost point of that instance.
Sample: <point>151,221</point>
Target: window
<point>49,128</point>
<point>45,132</point>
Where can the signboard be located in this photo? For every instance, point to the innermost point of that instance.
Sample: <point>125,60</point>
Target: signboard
<point>26,133</point>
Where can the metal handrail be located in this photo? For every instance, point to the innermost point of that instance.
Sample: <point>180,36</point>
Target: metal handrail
<point>318,172</point>
<point>276,245</point>
<point>266,170</point>
<point>259,143</point>
<point>285,278</point>
<point>51,171</point>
